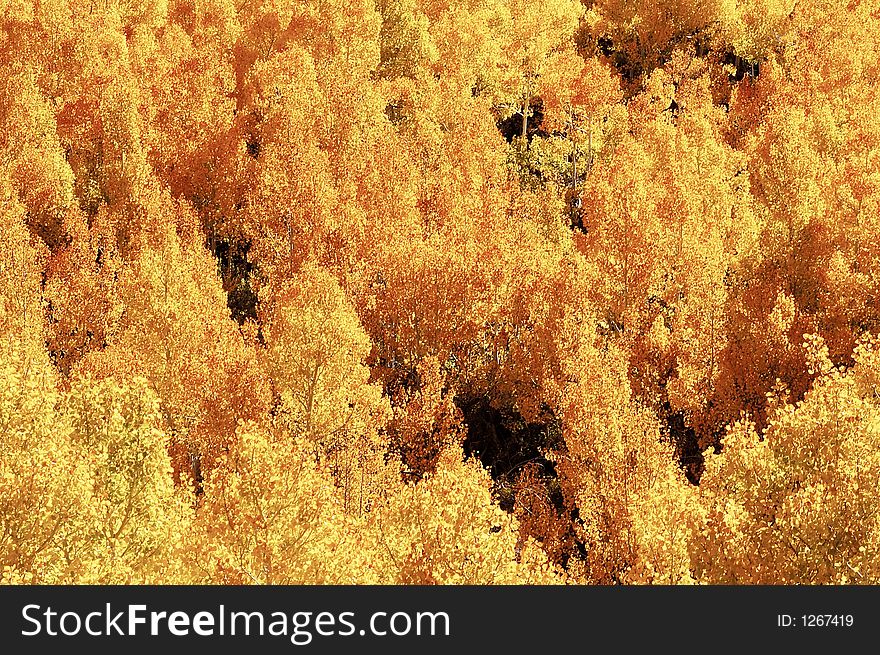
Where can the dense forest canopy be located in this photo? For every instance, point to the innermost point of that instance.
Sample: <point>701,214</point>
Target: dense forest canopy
<point>421,291</point>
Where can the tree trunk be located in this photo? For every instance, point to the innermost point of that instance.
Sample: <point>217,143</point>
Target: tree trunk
<point>525,123</point>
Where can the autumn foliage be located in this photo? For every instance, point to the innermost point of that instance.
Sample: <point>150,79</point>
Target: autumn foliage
<point>429,292</point>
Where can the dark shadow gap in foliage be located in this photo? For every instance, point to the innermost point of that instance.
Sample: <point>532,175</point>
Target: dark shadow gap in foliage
<point>684,439</point>
<point>253,147</point>
<point>505,442</point>
<point>511,127</point>
<point>744,67</point>
<point>514,451</point>
<point>236,273</point>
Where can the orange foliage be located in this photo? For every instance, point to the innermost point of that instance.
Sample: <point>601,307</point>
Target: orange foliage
<point>420,291</point>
